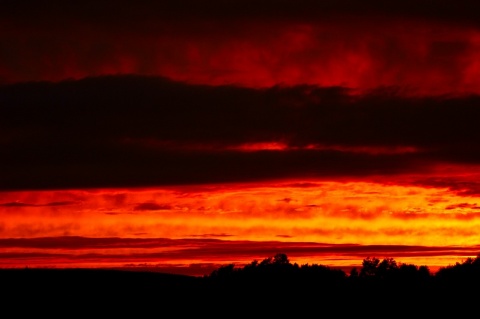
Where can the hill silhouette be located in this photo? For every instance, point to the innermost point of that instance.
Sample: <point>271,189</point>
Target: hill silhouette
<point>273,285</point>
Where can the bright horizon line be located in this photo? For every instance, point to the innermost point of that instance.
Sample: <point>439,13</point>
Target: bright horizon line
<point>239,253</point>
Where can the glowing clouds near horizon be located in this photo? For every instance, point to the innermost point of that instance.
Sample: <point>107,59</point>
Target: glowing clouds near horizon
<point>364,213</point>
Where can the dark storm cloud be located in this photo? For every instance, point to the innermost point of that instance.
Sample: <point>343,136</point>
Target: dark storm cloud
<point>144,113</point>
<point>130,130</point>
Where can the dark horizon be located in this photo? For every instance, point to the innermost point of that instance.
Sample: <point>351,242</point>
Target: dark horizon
<point>259,285</point>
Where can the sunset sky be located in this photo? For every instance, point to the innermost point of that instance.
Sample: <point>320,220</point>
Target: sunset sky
<point>181,135</point>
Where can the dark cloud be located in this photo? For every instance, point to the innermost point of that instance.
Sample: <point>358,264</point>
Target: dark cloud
<point>20,204</point>
<point>164,168</point>
<point>131,130</point>
<point>63,203</point>
<point>458,182</point>
<point>152,206</point>
<point>130,12</point>
<point>77,242</point>
<point>15,204</point>
<point>216,247</point>
<point>142,112</point>
<point>212,235</point>
<point>462,206</point>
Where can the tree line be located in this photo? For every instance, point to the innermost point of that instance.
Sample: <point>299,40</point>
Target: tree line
<point>374,273</point>
<point>273,285</point>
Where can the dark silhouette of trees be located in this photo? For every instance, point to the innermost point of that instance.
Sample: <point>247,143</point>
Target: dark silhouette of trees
<point>274,284</point>
<point>372,268</point>
<point>461,275</point>
<point>278,280</point>
<point>374,276</point>
<point>389,270</point>
<point>279,269</point>
<point>369,267</point>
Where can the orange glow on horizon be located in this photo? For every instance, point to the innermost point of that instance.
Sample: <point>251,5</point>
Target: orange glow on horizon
<point>321,211</point>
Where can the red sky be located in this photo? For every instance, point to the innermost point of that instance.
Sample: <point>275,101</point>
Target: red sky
<point>273,43</point>
<point>172,134</point>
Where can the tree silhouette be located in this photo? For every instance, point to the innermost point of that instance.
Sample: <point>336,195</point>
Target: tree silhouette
<point>354,273</point>
<point>369,267</point>
<point>273,283</point>
<point>460,275</point>
<point>281,259</point>
<point>281,278</point>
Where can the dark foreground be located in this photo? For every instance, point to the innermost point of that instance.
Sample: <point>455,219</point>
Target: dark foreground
<point>274,288</point>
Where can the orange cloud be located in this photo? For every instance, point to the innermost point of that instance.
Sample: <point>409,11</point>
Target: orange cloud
<point>212,224</point>
<point>362,212</point>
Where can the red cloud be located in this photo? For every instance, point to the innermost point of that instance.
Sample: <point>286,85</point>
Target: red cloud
<point>362,52</point>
